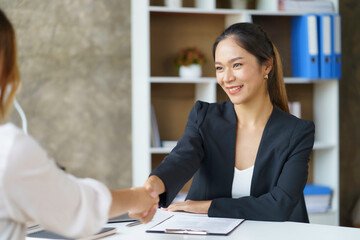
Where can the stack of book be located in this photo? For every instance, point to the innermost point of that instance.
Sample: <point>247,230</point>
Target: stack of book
<point>317,198</point>
<point>307,6</point>
<point>155,135</point>
<point>324,6</point>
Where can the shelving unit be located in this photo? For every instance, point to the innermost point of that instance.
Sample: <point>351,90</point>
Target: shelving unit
<point>158,33</point>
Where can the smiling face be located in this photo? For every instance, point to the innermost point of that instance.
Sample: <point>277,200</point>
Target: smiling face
<point>239,73</point>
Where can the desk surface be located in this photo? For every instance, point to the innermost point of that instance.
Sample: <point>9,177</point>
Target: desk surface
<point>249,230</point>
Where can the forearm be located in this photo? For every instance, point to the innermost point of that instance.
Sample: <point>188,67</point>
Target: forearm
<point>272,206</point>
<point>122,201</point>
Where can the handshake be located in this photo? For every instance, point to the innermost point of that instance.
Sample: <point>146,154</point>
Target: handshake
<point>141,202</point>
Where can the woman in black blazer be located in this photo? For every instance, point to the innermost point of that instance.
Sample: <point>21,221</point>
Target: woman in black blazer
<point>253,131</point>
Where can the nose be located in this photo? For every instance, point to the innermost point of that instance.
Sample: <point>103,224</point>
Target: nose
<point>229,76</point>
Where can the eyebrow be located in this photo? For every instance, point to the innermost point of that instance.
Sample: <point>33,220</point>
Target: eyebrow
<point>231,60</point>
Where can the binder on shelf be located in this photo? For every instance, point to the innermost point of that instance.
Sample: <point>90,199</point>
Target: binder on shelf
<point>317,198</point>
<point>336,45</point>
<point>155,135</point>
<point>304,46</point>
<point>325,44</point>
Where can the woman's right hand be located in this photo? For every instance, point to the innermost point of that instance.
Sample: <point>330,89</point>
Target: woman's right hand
<point>142,201</point>
<point>154,186</point>
<point>145,204</point>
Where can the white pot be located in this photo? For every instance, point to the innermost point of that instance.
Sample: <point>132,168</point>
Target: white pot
<point>239,4</point>
<point>173,3</point>
<point>191,71</point>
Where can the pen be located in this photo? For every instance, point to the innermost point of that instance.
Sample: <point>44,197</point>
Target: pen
<point>187,231</point>
<point>137,222</point>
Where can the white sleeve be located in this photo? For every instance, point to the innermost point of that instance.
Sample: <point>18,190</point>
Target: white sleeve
<point>36,189</point>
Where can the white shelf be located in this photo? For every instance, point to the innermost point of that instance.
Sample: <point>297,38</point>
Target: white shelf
<point>287,80</point>
<point>323,145</point>
<point>317,146</point>
<point>294,80</point>
<point>182,80</point>
<point>220,11</point>
<point>161,150</point>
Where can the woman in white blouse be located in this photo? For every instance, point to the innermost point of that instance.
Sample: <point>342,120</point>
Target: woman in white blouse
<point>33,188</point>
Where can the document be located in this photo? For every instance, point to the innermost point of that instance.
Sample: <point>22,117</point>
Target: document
<point>198,225</point>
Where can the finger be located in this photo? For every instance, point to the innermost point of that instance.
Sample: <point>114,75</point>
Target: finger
<point>176,207</point>
<point>150,215</point>
<point>135,215</point>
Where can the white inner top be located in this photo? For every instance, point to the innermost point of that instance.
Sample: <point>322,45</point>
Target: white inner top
<point>242,182</point>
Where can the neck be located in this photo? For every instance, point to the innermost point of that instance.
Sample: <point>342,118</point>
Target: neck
<point>255,113</point>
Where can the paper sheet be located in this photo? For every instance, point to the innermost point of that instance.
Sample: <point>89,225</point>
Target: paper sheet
<point>193,224</point>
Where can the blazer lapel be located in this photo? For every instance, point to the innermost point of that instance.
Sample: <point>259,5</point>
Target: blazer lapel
<point>261,160</point>
<point>228,141</point>
<point>220,134</point>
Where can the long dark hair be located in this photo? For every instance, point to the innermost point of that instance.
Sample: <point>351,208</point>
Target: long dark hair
<point>9,75</point>
<point>253,39</point>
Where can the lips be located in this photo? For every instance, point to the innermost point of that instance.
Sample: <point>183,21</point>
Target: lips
<point>234,89</point>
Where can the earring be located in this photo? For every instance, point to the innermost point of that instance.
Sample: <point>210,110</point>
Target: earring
<point>266,76</point>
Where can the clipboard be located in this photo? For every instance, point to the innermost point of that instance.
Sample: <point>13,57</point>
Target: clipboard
<point>196,225</point>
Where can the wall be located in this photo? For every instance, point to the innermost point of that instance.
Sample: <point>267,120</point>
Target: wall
<point>74,61</point>
<point>349,110</point>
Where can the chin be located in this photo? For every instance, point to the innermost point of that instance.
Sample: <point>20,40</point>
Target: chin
<point>237,101</point>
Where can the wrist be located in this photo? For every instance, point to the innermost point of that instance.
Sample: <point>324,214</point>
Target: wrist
<point>133,197</point>
<point>157,184</point>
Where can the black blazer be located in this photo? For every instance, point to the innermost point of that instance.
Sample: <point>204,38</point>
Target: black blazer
<point>207,149</point>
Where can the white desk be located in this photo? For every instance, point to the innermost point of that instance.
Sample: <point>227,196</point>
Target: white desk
<point>248,230</point>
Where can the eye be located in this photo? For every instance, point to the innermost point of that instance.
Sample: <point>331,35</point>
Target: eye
<point>218,68</point>
<point>237,65</point>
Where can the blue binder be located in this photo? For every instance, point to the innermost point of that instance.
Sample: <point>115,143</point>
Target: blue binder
<point>304,46</point>
<point>336,45</point>
<point>325,45</point>
<point>311,189</point>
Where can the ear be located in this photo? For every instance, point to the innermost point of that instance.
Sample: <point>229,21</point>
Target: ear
<point>267,66</point>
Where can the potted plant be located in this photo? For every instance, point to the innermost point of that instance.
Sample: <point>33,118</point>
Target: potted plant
<point>189,62</point>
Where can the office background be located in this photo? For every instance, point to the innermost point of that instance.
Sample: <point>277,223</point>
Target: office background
<point>74,59</point>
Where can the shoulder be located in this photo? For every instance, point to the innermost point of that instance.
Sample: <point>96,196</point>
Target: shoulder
<point>284,119</point>
<point>218,108</point>
<point>8,135</point>
<point>20,151</point>
<point>289,125</point>
<point>214,111</point>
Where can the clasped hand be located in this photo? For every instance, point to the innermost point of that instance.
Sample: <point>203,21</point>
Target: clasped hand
<point>155,186</point>
<point>147,204</point>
